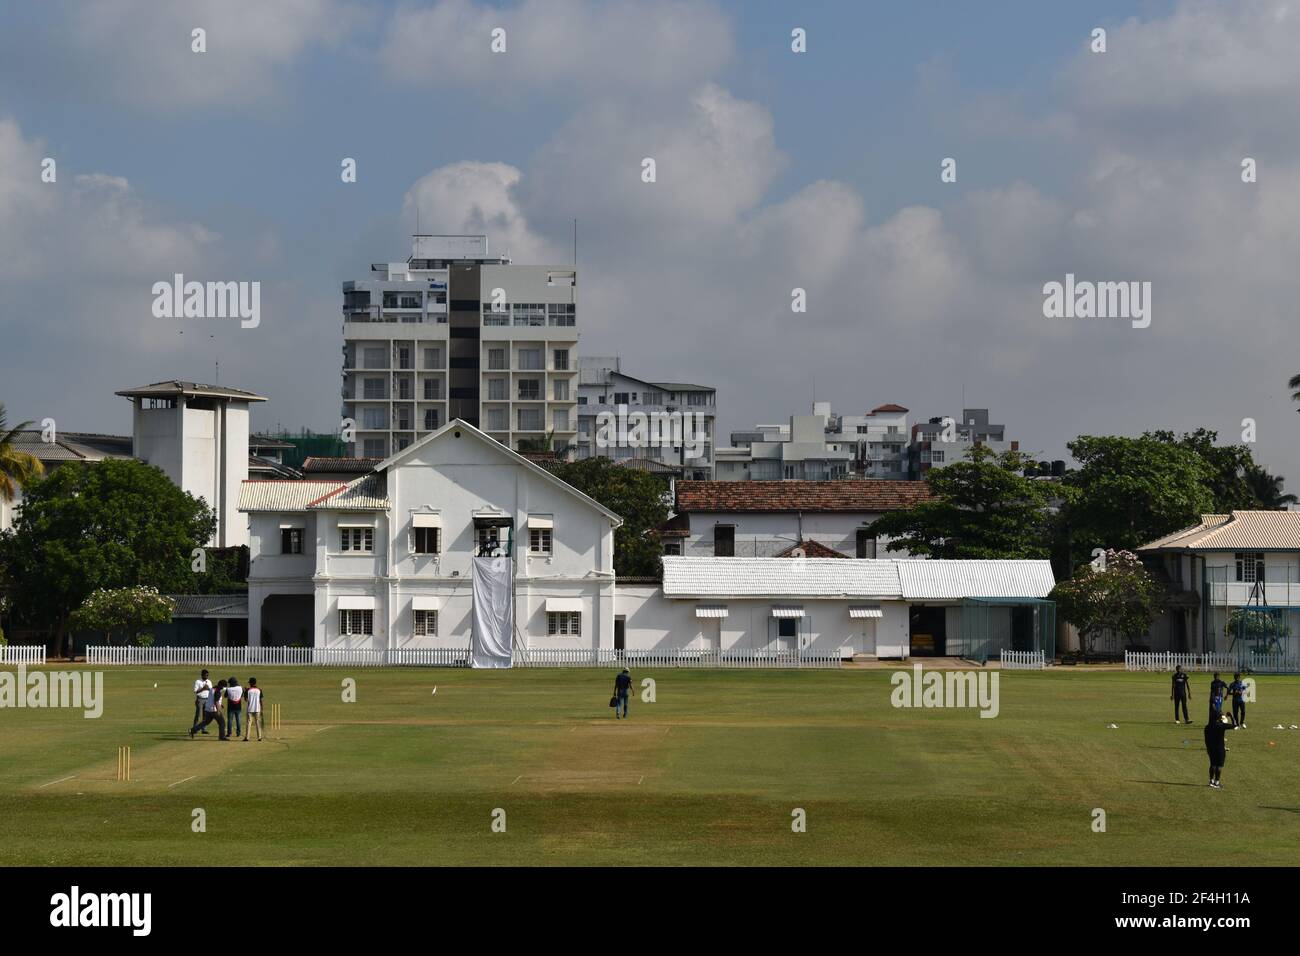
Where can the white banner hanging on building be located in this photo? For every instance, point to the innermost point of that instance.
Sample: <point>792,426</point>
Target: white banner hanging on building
<point>494,618</point>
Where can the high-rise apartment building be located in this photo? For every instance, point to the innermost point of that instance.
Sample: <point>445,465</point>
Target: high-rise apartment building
<point>455,332</point>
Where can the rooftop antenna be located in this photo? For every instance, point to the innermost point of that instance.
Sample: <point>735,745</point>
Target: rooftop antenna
<point>575,243</point>
<point>217,380</point>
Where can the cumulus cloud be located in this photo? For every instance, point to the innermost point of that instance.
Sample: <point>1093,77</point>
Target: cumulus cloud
<point>568,46</point>
<point>138,52</point>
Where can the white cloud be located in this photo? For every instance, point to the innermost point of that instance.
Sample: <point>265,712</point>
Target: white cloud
<point>139,51</point>
<point>574,46</point>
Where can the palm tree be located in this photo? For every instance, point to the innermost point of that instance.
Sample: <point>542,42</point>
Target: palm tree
<point>16,467</point>
<point>1267,489</point>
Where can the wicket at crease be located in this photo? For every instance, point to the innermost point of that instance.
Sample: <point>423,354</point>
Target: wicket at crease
<point>124,763</point>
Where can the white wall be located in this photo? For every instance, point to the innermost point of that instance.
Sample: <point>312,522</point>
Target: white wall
<point>653,622</point>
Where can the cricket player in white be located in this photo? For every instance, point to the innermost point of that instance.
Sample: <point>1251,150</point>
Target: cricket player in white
<point>253,694</point>
<point>202,688</point>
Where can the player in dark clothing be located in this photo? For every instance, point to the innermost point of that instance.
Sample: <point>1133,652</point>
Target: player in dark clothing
<point>622,685</point>
<point>1218,691</point>
<point>1181,693</point>
<point>1238,691</point>
<point>1215,747</point>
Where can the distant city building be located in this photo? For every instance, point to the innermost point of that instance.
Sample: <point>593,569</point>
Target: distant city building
<point>455,332</point>
<point>941,441</point>
<point>820,446</point>
<point>631,419</point>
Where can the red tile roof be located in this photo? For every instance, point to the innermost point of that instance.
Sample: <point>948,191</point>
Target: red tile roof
<point>810,549</point>
<point>867,494</point>
<point>888,408</point>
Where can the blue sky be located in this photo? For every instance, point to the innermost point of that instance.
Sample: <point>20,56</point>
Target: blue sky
<point>777,170</point>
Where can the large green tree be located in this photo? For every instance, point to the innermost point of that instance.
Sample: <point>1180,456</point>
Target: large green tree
<point>1128,491</point>
<point>636,496</point>
<point>1234,479</point>
<point>108,524</point>
<point>983,507</point>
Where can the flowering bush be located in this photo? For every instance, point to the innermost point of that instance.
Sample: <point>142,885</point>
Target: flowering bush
<point>122,610</point>
<point>1119,596</point>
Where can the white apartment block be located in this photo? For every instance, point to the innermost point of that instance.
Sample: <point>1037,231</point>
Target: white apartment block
<point>626,418</point>
<point>455,332</point>
<point>820,446</point>
<point>384,561</point>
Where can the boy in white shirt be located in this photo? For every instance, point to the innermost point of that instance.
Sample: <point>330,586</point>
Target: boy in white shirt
<point>254,697</point>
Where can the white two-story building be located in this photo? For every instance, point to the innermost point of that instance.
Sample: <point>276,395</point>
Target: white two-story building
<point>384,560</point>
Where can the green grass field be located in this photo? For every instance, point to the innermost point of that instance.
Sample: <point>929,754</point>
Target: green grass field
<point>708,774</point>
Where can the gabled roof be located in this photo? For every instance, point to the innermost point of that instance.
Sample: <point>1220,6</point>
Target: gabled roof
<point>888,408</point>
<point>362,494</point>
<point>858,494</point>
<point>72,446</point>
<point>176,389</point>
<point>1239,531</point>
<point>928,579</point>
<point>810,549</point>
<point>459,425</point>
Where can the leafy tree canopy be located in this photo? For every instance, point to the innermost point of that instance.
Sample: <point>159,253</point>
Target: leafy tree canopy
<point>638,497</point>
<point>982,507</point>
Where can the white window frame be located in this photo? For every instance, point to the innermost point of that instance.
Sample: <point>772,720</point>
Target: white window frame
<point>541,541</point>
<point>357,621</point>
<point>564,623</point>
<point>364,538</point>
<point>424,623</point>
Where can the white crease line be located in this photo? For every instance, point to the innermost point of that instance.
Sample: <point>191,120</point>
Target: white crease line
<point>516,780</point>
<point>53,782</point>
<point>638,783</point>
<point>179,782</point>
<point>319,729</point>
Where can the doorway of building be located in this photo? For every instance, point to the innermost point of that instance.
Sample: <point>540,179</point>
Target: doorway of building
<point>927,630</point>
<point>620,633</point>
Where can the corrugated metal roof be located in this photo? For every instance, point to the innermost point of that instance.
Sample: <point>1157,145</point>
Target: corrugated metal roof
<point>1240,531</point>
<point>928,579</point>
<point>779,577</point>
<point>1206,523</point>
<point>897,578</point>
<point>367,493</point>
<point>210,605</point>
<point>364,494</point>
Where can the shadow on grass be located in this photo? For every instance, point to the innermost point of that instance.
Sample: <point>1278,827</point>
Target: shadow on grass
<point>1170,783</point>
<point>1284,809</point>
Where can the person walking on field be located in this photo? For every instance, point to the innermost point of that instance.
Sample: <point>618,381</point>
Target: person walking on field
<point>622,687</point>
<point>202,690</point>
<point>211,712</point>
<point>234,707</point>
<point>1238,691</point>
<point>1181,693</point>
<point>1215,746</point>
<point>254,698</point>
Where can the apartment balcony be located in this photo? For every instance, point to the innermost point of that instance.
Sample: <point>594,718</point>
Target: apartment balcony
<point>1280,588</point>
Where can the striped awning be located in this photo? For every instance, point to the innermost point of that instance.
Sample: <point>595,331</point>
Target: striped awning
<point>710,610</point>
<point>787,611</point>
<point>862,611</point>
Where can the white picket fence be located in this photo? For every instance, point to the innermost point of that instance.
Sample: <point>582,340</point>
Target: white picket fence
<point>22,654</point>
<point>1168,660</point>
<point>1022,660</point>
<point>444,657</point>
